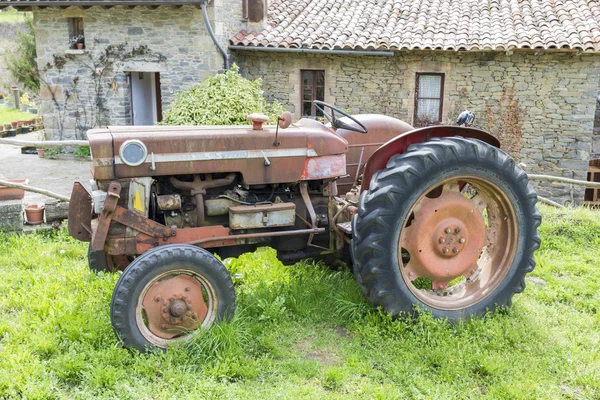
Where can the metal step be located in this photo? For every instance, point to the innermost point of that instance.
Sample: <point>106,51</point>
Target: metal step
<point>345,227</point>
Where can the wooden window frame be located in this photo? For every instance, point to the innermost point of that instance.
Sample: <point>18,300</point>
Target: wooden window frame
<point>313,109</point>
<point>417,98</point>
<point>74,29</point>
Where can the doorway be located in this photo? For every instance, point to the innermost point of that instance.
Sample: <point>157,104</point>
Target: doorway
<point>146,104</point>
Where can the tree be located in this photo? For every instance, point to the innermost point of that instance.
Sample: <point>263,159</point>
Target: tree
<point>222,99</point>
<point>23,64</point>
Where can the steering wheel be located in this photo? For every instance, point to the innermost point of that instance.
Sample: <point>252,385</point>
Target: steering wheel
<point>336,122</point>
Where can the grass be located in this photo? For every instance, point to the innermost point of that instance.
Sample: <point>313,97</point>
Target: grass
<point>304,331</point>
<point>12,16</point>
<point>8,115</point>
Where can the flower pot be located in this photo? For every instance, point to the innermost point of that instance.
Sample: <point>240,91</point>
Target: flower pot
<point>32,110</point>
<point>7,126</point>
<point>14,124</point>
<point>41,152</point>
<point>2,101</point>
<point>12,132</point>
<point>23,107</point>
<point>10,193</point>
<point>79,46</point>
<point>34,214</point>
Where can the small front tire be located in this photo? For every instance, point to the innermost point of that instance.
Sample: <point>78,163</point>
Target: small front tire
<point>167,294</point>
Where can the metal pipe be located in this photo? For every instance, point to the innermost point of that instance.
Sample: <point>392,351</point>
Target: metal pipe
<point>198,188</point>
<point>258,235</point>
<point>44,143</point>
<point>212,33</point>
<point>317,51</point>
<point>34,190</point>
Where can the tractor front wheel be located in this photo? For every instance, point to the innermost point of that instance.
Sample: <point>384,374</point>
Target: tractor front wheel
<point>168,294</point>
<point>450,227</point>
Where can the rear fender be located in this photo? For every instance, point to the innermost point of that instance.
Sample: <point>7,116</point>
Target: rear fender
<point>400,144</point>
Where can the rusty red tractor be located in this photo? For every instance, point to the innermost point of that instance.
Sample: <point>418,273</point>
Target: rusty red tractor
<point>437,218</point>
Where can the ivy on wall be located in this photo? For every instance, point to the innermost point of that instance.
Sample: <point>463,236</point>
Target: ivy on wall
<point>104,68</point>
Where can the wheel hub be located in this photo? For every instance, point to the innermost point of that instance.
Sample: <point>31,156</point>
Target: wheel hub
<point>174,305</point>
<point>451,240</point>
<point>445,238</point>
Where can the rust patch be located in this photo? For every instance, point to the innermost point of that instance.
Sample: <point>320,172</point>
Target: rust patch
<point>110,204</point>
<point>173,305</point>
<point>80,213</point>
<point>145,242</point>
<point>324,167</point>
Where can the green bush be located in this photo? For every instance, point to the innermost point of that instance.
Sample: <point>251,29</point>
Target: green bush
<point>223,99</point>
<point>22,64</point>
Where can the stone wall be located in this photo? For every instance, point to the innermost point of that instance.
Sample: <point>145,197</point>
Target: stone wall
<point>177,33</point>
<point>542,105</point>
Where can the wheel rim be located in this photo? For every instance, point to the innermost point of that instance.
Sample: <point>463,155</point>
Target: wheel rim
<point>458,242</point>
<point>173,305</point>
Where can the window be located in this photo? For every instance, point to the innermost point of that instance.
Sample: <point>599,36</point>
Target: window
<point>76,37</point>
<point>429,93</point>
<point>313,88</point>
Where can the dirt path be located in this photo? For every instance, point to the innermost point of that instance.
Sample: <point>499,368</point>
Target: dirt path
<point>55,175</point>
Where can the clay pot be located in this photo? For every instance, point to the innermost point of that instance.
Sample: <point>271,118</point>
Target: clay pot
<point>14,124</point>
<point>79,46</point>
<point>34,214</point>
<point>41,152</point>
<point>10,193</point>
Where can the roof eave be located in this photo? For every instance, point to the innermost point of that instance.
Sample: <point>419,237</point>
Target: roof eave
<point>25,5</point>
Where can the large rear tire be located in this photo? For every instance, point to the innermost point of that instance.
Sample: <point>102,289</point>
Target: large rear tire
<point>168,294</point>
<point>450,226</point>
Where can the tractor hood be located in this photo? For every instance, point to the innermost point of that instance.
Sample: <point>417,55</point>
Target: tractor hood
<point>305,150</point>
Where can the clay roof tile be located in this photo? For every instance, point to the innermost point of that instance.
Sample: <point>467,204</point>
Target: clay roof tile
<point>433,24</point>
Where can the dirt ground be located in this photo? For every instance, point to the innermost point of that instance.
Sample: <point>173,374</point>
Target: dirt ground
<point>54,175</point>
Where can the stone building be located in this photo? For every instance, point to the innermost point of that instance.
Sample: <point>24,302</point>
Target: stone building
<point>529,70</point>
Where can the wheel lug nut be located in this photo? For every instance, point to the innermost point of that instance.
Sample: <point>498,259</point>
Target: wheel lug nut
<point>171,298</point>
<point>442,240</point>
<point>461,240</point>
<point>457,230</point>
<point>445,250</point>
<point>455,250</point>
<point>187,289</point>
<point>448,230</point>
<point>165,309</point>
<point>165,326</point>
<point>157,299</point>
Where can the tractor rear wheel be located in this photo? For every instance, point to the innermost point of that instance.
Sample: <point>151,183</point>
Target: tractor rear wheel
<point>450,227</point>
<point>167,294</point>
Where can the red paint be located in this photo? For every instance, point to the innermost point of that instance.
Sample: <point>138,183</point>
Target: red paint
<point>324,167</point>
<point>400,144</point>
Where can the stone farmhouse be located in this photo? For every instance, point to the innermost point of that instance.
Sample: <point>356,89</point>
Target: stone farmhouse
<point>529,70</point>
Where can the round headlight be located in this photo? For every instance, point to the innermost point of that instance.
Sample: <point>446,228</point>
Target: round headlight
<point>133,152</point>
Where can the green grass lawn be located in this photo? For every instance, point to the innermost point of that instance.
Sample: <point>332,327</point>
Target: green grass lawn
<point>304,332</point>
<point>13,16</point>
<point>8,115</point>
